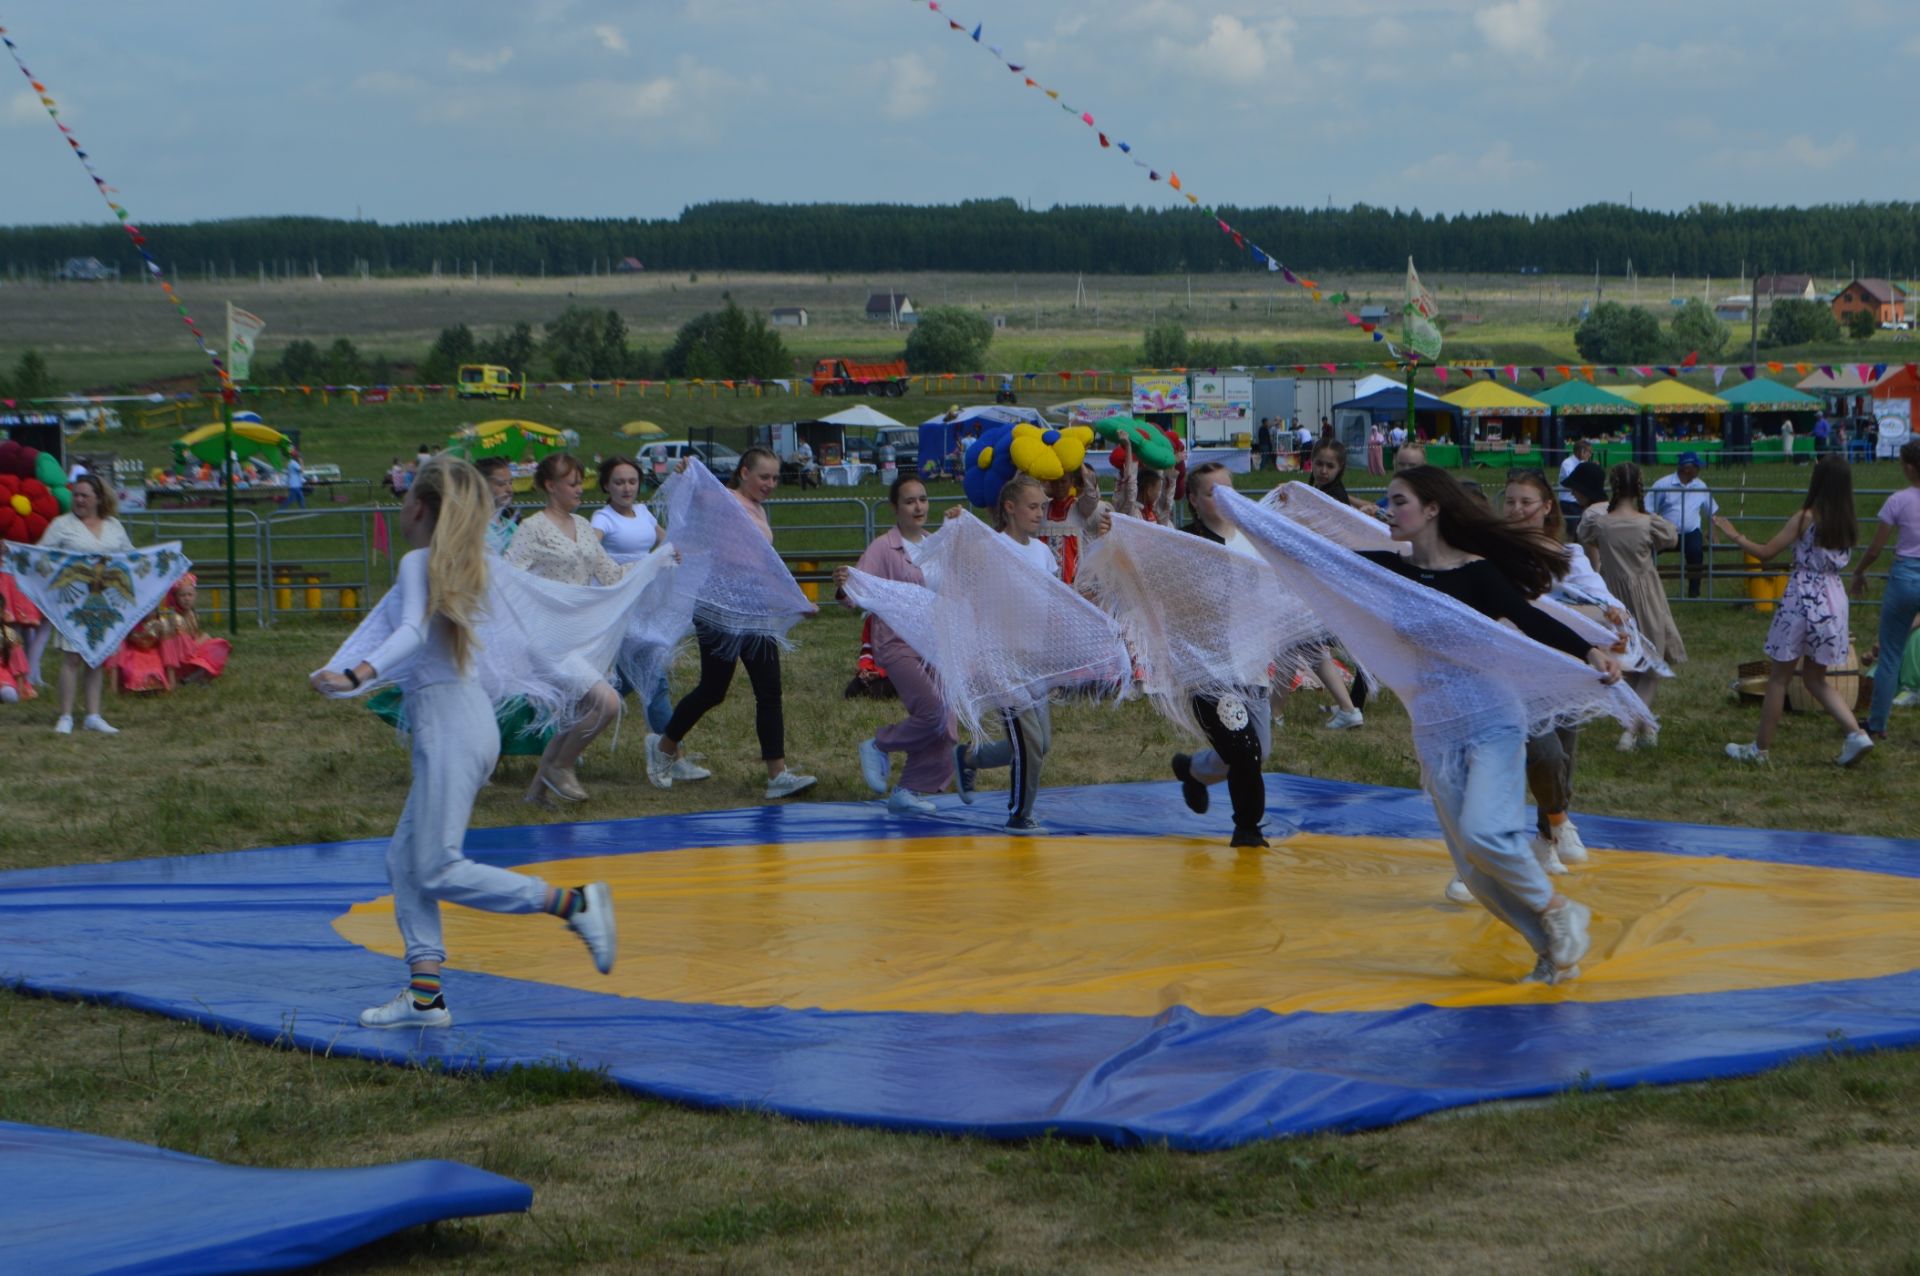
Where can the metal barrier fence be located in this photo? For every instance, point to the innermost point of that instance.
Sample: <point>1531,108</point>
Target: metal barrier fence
<point>326,560</point>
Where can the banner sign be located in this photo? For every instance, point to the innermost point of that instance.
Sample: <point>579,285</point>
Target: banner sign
<point>243,333</point>
<point>1159,394</point>
<point>95,600</point>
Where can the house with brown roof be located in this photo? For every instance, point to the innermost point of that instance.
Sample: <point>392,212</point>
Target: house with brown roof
<point>1885,299</point>
<point>890,307</point>
<point>1770,288</point>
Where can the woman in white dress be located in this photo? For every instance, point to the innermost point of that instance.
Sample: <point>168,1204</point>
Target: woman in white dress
<point>558,545</point>
<point>629,532</point>
<point>90,528</point>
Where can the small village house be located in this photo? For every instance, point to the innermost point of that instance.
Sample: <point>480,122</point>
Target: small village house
<point>890,307</point>
<point>1771,288</point>
<point>1886,300</point>
<point>789,316</point>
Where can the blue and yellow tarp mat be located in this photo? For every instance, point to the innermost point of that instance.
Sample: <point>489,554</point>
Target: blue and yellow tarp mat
<point>1128,977</point>
<point>75,1203</point>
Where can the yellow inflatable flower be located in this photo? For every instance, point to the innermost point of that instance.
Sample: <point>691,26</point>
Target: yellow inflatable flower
<point>1048,453</point>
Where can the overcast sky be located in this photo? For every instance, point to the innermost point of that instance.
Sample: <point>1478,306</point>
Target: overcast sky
<point>411,110</point>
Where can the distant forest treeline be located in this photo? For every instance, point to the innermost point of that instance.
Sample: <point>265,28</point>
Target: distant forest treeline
<point>999,235</point>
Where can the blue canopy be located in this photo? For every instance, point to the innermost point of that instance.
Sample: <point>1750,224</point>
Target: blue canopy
<point>1391,405</point>
<point>941,435</point>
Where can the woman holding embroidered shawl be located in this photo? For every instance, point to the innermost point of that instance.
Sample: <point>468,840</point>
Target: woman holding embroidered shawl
<point>744,604</point>
<point>1001,632</point>
<point>1206,619</point>
<point>461,633</point>
<point>1475,690</point>
<point>927,736</point>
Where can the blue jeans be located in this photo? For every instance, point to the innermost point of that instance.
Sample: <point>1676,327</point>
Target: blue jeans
<point>1479,793</point>
<point>1693,548</point>
<point>1897,609</point>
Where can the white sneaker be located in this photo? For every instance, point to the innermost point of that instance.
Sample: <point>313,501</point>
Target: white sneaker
<point>1457,892</point>
<point>9,695</point>
<point>1748,753</point>
<point>788,783</point>
<point>1851,752</point>
<point>1545,972</point>
<point>1567,939</point>
<point>63,725</point>
<point>659,764</point>
<point>1649,739</point>
<point>401,1013</point>
<point>684,768</point>
<point>594,923</point>
<point>1628,741</point>
<point>94,722</point>
<point>1567,844</point>
<point>1543,852</point>
<point>875,766</point>
<point>1343,719</point>
<point>904,801</point>
<point>1907,700</point>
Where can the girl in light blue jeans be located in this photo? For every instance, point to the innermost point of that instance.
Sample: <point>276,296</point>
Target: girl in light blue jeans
<point>1899,518</point>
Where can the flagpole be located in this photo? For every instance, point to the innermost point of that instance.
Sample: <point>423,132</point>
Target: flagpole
<point>226,464</point>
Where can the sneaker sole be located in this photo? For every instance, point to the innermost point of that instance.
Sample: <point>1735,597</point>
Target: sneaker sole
<point>598,896</point>
<point>417,1023</point>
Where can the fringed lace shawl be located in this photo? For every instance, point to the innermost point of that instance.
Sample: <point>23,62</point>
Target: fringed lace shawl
<point>997,632</point>
<point>1200,619</point>
<point>536,640</point>
<point>739,587</point>
<point>1461,675</point>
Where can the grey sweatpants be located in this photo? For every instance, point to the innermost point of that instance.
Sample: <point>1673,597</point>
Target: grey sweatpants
<point>455,744</point>
<point>1480,794</point>
<point>1029,734</point>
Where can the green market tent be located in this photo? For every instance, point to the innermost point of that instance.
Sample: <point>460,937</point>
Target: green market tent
<point>1762,395</point>
<point>1582,398</point>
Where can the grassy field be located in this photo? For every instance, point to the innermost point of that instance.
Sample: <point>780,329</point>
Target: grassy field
<point>100,336</point>
<point>1649,1181</point>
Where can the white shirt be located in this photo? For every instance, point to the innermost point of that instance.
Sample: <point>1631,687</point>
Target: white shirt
<point>294,477</point>
<point>1037,552</point>
<point>74,473</point>
<point>419,651</point>
<point>1685,505</point>
<point>805,454</point>
<point>1397,435</point>
<point>627,538</point>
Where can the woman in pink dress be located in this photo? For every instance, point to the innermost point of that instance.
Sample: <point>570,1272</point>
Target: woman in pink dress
<point>927,736</point>
<point>1809,631</point>
<point>1376,450</point>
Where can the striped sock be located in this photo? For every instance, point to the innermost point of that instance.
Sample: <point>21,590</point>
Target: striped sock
<point>564,901</point>
<point>425,990</point>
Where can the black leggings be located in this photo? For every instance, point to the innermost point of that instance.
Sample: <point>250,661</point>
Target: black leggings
<point>762,659</point>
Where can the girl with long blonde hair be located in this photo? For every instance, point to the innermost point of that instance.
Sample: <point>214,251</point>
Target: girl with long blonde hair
<point>442,583</point>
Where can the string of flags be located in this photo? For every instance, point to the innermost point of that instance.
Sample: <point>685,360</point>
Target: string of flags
<point>1113,142</point>
<point>1866,373</point>
<point>120,212</point>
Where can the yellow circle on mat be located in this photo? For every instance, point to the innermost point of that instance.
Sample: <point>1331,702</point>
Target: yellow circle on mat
<point>1132,926</point>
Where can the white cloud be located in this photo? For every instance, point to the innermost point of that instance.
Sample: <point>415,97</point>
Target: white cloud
<point>1233,50</point>
<point>1803,151</point>
<point>1517,27</point>
<point>610,37</point>
<point>23,108</point>
<point>1389,33</point>
<point>631,100</point>
<point>386,82</point>
<point>484,63</point>
<point>909,86</point>
<point>1493,166</point>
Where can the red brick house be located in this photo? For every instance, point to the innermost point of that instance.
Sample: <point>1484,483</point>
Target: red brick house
<point>1887,301</point>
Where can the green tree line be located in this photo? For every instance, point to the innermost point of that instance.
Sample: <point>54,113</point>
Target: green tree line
<point>999,235</point>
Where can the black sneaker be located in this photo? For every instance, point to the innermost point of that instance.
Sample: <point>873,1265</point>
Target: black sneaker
<point>963,775</point>
<point>1194,792</point>
<point>1024,824</point>
<point>1248,837</point>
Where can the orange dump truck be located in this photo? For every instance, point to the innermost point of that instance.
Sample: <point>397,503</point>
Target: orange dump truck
<point>843,376</point>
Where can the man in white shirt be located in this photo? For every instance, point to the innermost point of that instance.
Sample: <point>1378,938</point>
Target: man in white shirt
<point>1682,498</point>
<point>803,462</point>
<point>1581,452</point>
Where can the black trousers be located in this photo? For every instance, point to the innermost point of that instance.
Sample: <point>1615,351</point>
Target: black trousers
<point>717,661</point>
<point>1550,774</point>
<point>1242,752</point>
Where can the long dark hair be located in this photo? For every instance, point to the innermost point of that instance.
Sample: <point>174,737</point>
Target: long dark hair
<point>1469,525</point>
<point>1830,497</point>
<point>1555,525</point>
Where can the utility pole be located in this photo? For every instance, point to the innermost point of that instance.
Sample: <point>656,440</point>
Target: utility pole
<point>1753,321</point>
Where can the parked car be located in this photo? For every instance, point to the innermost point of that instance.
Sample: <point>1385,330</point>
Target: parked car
<point>719,458</point>
<point>905,442</point>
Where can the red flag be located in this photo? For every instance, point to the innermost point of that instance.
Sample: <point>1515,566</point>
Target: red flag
<point>380,541</point>
<point>1104,141</point>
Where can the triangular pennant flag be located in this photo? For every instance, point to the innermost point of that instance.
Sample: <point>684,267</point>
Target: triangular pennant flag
<point>954,26</point>
<point>1862,369</point>
<point>1331,368</point>
<point>1513,374</point>
<point>1539,372</point>
<point>1032,83</point>
<point>1564,371</point>
<point>976,32</point>
<point>1587,372</point>
<point>1173,180</point>
<point>1016,69</point>
<point>1718,372</point>
<point>1054,94</point>
<point>1126,148</point>
<point>1693,357</point>
<point>1802,368</point>
<point>1825,368</point>
<point>1152,176</point>
<point>1273,265</point>
<point>1195,200</point>
<point>996,50</point>
<point>1879,370</point>
<point>1442,374</point>
<point>1088,118</point>
<point>1103,140</point>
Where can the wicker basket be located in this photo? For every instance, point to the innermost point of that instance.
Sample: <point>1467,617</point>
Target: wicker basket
<point>1750,684</point>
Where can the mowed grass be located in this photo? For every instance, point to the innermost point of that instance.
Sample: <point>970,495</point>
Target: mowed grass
<point>1649,1181</point>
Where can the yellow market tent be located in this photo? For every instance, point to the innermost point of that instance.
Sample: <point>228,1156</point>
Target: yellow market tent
<point>250,439</point>
<point>643,430</point>
<point>1670,396</point>
<point>1489,398</point>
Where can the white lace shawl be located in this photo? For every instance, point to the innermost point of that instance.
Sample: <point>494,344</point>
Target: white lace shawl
<point>1344,525</point>
<point>739,586</point>
<point>997,632</point>
<point>1199,618</point>
<point>537,640</point>
<point>1461,675</point>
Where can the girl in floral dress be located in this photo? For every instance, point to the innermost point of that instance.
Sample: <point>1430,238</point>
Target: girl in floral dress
<point>1810,625</point>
